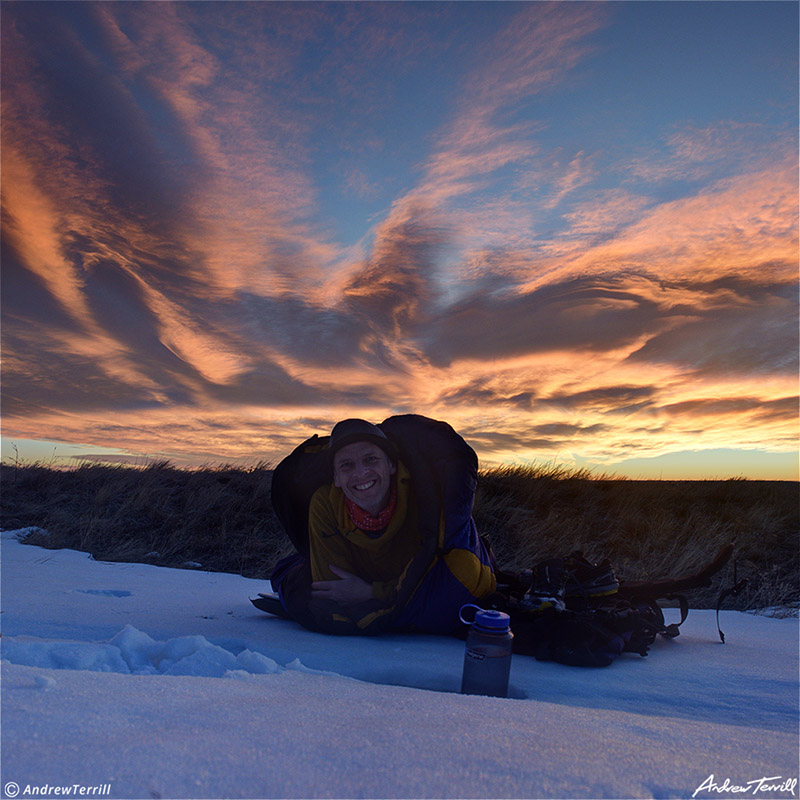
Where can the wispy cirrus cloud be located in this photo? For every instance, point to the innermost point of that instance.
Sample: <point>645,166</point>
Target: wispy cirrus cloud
<point>126,225</point>
<point>529,55</point>
<point>691,152</point>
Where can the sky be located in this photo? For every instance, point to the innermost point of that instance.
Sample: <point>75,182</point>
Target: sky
<point>568,229</point>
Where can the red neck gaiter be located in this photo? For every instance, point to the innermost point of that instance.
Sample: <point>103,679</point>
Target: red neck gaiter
<point>365,521</point>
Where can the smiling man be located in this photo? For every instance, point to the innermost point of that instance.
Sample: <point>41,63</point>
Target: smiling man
<point>391,545</point>
<point>356,527</point>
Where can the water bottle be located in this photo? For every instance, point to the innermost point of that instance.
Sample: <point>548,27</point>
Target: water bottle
<point>487,660</point>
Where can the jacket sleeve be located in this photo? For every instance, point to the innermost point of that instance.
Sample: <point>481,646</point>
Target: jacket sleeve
<point>326,546</point>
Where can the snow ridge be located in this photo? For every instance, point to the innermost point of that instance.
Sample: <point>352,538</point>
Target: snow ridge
<point>133,652</point>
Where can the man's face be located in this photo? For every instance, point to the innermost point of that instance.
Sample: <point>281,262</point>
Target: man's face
<point>364,472</point>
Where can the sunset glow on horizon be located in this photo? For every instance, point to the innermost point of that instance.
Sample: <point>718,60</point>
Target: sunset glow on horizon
<point>568,229</point>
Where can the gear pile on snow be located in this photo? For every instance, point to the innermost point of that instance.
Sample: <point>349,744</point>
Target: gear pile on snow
<point>578,613</point>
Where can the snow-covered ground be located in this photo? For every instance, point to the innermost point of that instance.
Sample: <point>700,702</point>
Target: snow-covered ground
<point>129,681</point>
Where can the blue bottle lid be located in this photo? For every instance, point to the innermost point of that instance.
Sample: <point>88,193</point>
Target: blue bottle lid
<point>486,619</point>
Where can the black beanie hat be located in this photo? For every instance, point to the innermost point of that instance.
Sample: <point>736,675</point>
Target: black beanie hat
<point>358,430</point>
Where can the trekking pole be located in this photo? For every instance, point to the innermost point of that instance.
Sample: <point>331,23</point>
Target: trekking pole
<point>731,591</point>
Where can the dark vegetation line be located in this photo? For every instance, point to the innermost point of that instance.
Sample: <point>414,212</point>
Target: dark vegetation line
<point>221,519</point>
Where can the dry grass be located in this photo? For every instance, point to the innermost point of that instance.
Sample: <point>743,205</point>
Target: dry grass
<point>222,519</point>
<point>649,529</point>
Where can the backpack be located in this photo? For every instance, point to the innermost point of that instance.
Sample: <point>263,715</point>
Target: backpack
<point>590,637</point>
<point>580,629</point>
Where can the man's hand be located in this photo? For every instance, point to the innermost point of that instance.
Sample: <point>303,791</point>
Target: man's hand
<point>346,591</point>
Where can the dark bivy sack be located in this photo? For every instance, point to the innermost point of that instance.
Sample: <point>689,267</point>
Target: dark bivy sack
<point>444,473</point>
